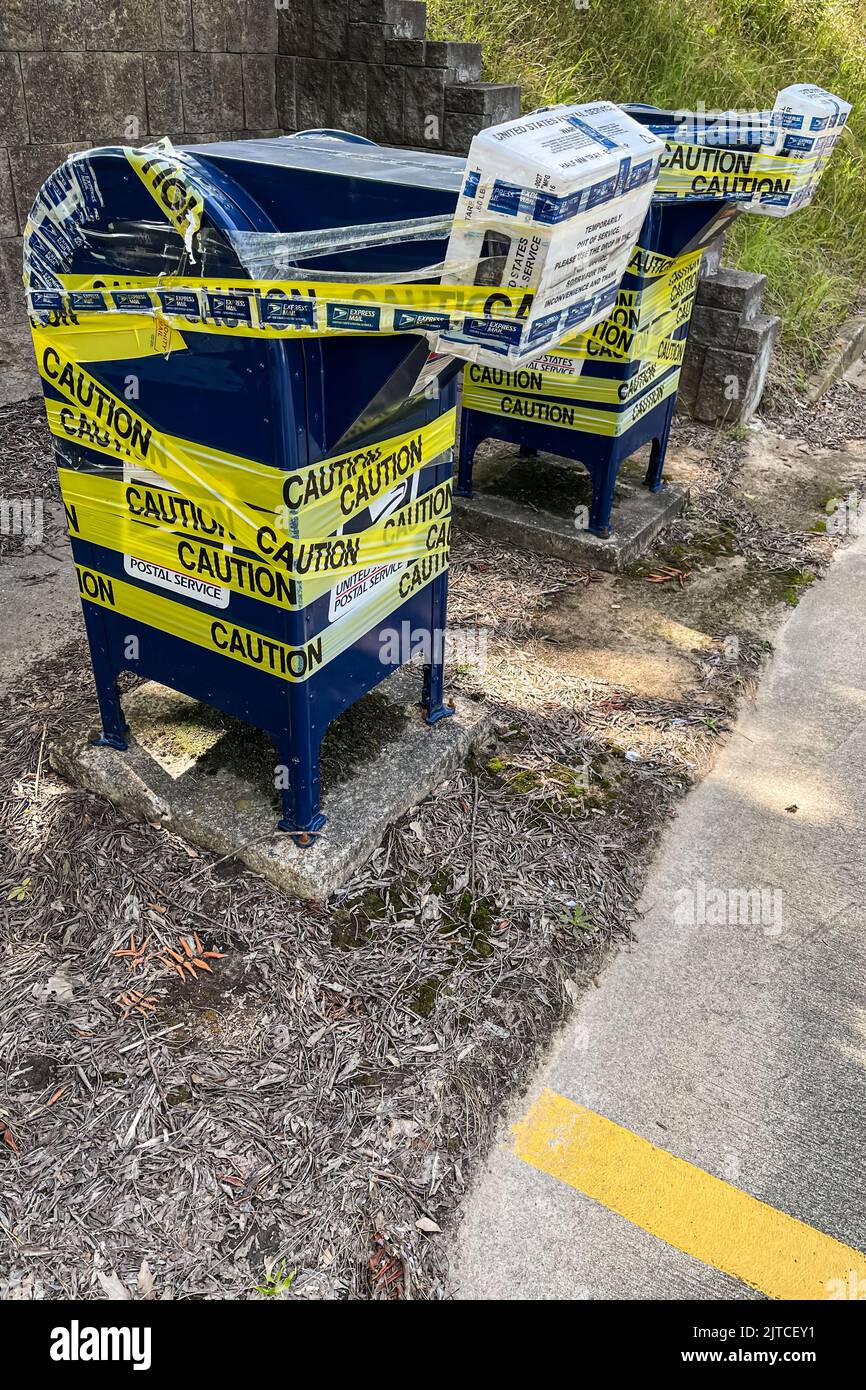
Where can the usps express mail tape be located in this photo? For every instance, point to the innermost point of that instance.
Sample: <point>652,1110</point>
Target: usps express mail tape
<point>769,162</point>
<point>808,124</point>
<point>567,189</point>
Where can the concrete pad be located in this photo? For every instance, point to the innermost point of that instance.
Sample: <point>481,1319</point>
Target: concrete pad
<point>210,779</point>
<point>531,502</point>
<point>19,379</point>
<point>40,609</point>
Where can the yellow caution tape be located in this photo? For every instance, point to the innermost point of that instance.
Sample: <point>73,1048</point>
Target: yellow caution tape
<point>644,328</point>
<point>109,513</point>
<point>535,380</point>
<point>676,286</point>
<point>256,649</point>
<point>619,343</point>
<point>650,264</point>
<point>313,500</point>
<point>544,409</point>
<point>641,330</point>
<point>705,171</point>
<point>164,177</point>
<point>322,496</point>
<point>182,531</point>
<point>121,338</point>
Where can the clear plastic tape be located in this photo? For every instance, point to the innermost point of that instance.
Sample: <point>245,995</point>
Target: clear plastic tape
<point>559,275</point>
<point>266,270</point>
<point>264,253</point>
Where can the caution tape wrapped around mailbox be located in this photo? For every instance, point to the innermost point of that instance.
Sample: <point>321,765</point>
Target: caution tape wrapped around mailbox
<point>232,524</point>
<point>200,506</point>
<point>200,521</point>
<point>642,336</point>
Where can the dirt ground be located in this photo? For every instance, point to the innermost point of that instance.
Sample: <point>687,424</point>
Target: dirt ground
<point>301,1119</point>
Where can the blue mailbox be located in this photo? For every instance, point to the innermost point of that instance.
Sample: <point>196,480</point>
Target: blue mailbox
<point>603,395</point>
<point>256,477</point>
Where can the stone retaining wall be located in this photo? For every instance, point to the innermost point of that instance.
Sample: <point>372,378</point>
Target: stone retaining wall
<point>367,67</point>
<point>75,73</point>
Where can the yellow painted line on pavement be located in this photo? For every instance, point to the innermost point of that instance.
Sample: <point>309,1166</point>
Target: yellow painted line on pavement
<point>684,1206</point>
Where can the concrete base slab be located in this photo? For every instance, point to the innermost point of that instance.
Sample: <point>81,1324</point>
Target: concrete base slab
<point>210,779</point>
<point>531,503</point>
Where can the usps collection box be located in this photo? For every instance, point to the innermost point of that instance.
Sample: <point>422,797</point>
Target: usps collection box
<point>566,190</point>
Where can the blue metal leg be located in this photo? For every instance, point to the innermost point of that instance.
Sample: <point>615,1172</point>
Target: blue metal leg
<point>469,441</point>
<point>603,486</point>
<point>299,786</point>
<point>114,726</point>
<point>433,686</point>
<point>658,451</point>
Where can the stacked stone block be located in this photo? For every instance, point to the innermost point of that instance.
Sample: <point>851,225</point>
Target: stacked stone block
<point>729,346</point>
<point>367,66</point>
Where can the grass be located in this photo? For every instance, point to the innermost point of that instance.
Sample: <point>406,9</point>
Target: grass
<point>725,53</point>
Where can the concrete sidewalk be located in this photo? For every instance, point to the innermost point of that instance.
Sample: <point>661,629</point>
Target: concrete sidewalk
<point>39,601</point>
<point>733,1038</point>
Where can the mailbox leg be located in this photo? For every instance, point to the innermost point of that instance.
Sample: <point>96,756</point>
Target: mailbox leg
<point>469,442</point>
<point>114,727</point>
<point>432,689</point>
<point>299,786</point>
<point>658,451</point>
<point>603,488</point>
